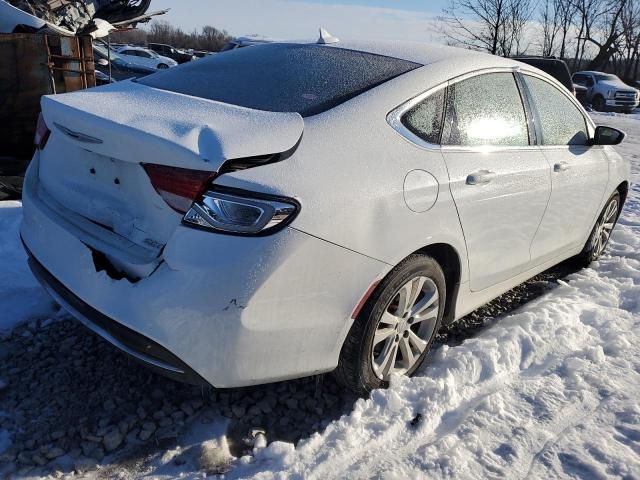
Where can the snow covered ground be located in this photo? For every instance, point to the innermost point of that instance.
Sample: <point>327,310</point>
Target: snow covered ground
<point>549,391</point>
<point>21,297</point>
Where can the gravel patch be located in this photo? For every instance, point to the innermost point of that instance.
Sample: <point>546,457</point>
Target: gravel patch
<point>71,402</point>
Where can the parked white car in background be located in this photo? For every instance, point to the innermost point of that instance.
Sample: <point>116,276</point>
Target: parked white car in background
<point>606,92</point>
<point>224,223</point>
<point>145,57</point>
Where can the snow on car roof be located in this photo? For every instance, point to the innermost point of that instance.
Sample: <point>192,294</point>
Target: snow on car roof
<point>418,52</point>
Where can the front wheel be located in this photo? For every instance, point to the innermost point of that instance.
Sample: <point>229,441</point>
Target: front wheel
<point>599,105</point>
<point>395,330</point>
<point>599,238</point>
<point>163,66</point>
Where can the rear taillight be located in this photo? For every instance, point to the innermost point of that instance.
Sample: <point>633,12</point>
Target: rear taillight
<point>42,133</point>
<point>179,187</point>
<point>239,212</point>
<point>216,208</point>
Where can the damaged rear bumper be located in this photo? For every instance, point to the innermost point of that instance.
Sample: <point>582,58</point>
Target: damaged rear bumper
<point>129,341</point>
<point>233,311</point>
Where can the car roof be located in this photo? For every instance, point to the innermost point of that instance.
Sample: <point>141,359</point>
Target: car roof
<point>421,52</point>
<point>593,72</point>
<point>128,47</point>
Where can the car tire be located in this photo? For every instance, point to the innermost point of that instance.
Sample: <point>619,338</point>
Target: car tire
<point>598,104</point>
<point>599,238</point>
<point>163,66</point>
<point>390,327</point>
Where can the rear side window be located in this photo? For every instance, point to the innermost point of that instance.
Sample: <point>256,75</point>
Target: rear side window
<point>425,119</point>
<point>561,122</point>
<point>485,110</point>
<point>307,79</point>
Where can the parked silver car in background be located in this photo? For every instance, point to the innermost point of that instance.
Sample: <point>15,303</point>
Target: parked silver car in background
<point>237,222</point>
<point>145,57</point>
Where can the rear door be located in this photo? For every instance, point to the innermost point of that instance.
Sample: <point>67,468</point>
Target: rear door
<point>499,180</point>
<point>579,172</point>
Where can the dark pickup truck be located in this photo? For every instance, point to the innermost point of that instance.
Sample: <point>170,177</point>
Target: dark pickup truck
<point>171,52</point>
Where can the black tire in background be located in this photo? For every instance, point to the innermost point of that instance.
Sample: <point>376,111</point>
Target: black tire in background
<point>355,369</point>
<point>598,103</point>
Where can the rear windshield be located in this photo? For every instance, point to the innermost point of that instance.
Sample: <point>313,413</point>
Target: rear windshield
<point>308,79</point>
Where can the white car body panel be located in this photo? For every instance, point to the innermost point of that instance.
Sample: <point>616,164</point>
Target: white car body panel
<point>153,61</point>
<point>249,310</point>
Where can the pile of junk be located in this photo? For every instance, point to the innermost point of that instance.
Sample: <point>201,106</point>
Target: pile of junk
<point>46,47</point>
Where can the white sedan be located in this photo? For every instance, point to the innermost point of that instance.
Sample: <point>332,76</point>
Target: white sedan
<point>285,210</point>
<point>145,57</point>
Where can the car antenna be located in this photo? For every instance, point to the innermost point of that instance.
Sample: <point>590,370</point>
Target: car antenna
<point>326,37</point>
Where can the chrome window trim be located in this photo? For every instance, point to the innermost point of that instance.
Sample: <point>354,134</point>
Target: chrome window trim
<point>394,118</point>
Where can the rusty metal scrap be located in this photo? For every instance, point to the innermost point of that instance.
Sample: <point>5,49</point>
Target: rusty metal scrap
<point>76,15</point>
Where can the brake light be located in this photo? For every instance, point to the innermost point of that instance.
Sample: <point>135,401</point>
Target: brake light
<point>239,212</point>
<point>178,187</point>
<point>42,133</point>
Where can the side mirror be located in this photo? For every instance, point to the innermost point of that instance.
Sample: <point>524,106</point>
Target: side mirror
<point>607,136</point>
<point>103,62</point>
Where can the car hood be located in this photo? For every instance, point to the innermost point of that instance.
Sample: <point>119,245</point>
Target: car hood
<point>617,85</point>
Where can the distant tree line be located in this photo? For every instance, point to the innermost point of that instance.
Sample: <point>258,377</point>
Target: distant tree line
<point>208,38</point>
<point>594,34</point>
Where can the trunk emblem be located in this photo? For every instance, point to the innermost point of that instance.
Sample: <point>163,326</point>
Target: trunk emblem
<point>81,137</point>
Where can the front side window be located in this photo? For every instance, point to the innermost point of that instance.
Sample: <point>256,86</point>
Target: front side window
<point>485,110</point>
<point>425,119</point>
<point>560,120</point>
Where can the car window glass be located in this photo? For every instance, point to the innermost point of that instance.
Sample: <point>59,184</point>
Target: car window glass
<point>485,110</point>
<point>280,77</point>
<point>425,119</point>
<point>561,122</point>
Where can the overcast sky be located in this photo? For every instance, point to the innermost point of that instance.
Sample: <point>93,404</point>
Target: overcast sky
<point>300,19</point>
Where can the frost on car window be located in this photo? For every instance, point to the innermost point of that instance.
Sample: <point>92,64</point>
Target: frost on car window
<point>485,110</point>
<point>425,119</point>
<point>307,79</point>
<point>561,121</point>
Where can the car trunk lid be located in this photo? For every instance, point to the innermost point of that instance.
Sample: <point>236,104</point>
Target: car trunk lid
<point>93,167</point>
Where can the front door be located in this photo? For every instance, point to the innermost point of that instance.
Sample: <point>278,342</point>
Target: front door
<point>579,172</point>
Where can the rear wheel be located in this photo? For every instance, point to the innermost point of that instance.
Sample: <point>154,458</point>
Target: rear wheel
<point>599,238</point>
<point>396,328</point>
<point>163,66</point>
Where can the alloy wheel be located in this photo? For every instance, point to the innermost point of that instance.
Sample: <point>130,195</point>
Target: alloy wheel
<point>604,228</point>
<point>405,328</point>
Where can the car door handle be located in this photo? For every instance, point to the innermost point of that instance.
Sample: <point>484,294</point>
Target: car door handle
<point>481,177</point>
<point>561,167</point>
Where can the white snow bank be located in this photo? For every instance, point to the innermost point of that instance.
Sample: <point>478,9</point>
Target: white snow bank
<point>21,297</point>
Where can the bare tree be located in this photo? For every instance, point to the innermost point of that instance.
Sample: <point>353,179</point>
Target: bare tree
<point>492,25</point>
<point>208,38</point>
<point>550,22</point>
